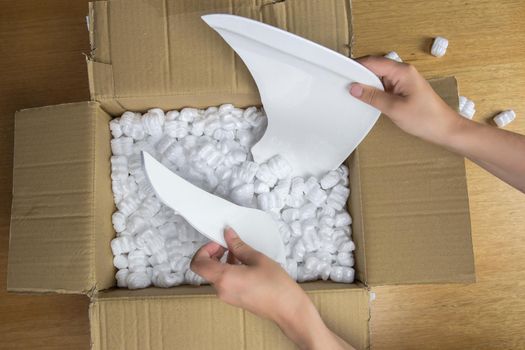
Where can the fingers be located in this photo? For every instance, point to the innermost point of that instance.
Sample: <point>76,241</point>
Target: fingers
<point>243,252</point>
<point>374,97</point>
<point>380,66</point>
<point>206,263</point>
<point>231,259</point>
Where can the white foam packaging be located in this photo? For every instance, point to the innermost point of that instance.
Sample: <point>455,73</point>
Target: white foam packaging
<point>210,148</point>
<point>409,200</point>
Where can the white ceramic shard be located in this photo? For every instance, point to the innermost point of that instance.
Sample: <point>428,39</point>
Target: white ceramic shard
<point>313,122</point>
<point>210,214</point>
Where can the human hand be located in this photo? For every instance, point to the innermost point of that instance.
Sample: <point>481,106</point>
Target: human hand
<point>258,284</point>
<point>408,100</point>
<point>251,280</point>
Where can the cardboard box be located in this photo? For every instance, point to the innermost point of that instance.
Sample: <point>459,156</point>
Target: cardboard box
<point>408,199</point>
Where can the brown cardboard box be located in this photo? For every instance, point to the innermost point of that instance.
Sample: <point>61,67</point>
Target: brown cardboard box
<point>409,199</point>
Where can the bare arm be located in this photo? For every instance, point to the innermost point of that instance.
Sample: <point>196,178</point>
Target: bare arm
<point>256,283</point>
<point>412,105</point>
<point>500,152</point>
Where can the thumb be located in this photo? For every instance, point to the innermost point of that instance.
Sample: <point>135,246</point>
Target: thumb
<point>243,252</point>
<point>374,97</point>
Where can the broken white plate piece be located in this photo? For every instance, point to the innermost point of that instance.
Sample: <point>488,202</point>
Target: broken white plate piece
<point>210,214</point>
<point>298,81</point>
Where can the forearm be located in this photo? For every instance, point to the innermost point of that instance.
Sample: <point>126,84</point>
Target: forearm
<point>308,331</point>
<point>498,151</point>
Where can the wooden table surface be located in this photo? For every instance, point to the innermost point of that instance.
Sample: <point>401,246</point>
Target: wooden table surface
<point>42,42</point>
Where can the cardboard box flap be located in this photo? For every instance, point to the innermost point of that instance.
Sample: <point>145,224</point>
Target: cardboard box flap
<point>173,59</point>
<point>165,320</point>
<point>60,160</point>
<point>414,213</point>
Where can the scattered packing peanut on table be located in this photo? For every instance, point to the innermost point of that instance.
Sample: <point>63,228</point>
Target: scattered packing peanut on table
<point>393,56</point>
<point>466,107</point>
<point>439,47</point>
<point>210,148</point>
<point>504,118</point>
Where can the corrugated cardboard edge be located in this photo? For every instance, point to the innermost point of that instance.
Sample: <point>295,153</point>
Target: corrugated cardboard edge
<point>351,36</point>
<point>104,81</point>
<point>103,204</point>
<point>89,286</point>
<point>355,204</point>
<point>359,335</point>
<point>100,70</point>
<point>458,277</point>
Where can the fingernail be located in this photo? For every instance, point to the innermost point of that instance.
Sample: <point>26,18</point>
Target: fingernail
<point>229,233</point>
<point>356,90</point>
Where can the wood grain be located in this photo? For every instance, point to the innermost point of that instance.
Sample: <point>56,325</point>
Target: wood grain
<point>486,55</point>
<point>42,63</point>
<point>41,46</point>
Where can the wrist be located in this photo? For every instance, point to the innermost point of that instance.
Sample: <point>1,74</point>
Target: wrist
<point>453,127</point>
<point>303,324</point>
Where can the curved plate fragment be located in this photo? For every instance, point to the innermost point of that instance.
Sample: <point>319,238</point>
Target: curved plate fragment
<point>312,119</point>
<point>210,214</point>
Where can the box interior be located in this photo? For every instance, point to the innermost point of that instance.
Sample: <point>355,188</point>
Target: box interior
<point>409,200</point>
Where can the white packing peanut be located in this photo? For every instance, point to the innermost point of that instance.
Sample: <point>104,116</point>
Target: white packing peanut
<point>210,148</point>
<point>270,201</point>
<point>247,171</point>
<point>191,277</point>
<point>243,194</point>
<point>119,221</point>
<point>123,146</point>
<point>137,260</point>
<point>149,240</point>
<point>338,197</point>
<point>330,180</point>
<point>347,246</point>
<point>504,118</point>
<point>153,122</point>
<point>290,214</point>
<point>260,187</point>
<point>342,219</point>
<point>177,128</point>
<point>467,108</point>
<point>115,128</point>
<point>342,274</point>
<point>167,279</point>
<point>122,245</point>
<point>266,175</point>
<point>119,168</point>
<point>297,228</point>
<point>189,114</point>
<point>120,261</point>
<point>138,280</point>
<point>172,115</point>
<point>345,259</point>
<point>316,196</point>
<point>121,277</point>
<point>307,211</point>
<point>392,55</point>
<point>159,257</point>
<point>439,47</point>
<point>279,167</point>
<point>129,204</point>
